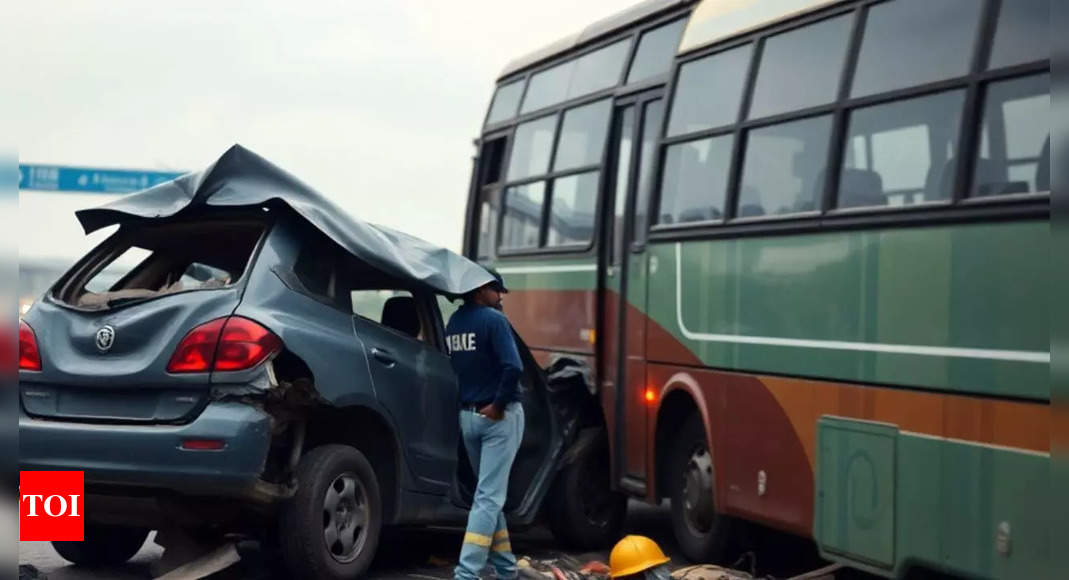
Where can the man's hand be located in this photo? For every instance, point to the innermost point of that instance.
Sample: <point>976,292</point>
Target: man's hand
<point>492,412</point>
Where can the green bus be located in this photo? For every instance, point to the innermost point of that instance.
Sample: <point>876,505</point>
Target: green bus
<point>801,247</point>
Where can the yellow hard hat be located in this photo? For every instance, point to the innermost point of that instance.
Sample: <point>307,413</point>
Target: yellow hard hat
<point>635,554</point>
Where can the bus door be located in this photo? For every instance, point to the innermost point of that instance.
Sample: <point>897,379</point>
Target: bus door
<point>622,328</point>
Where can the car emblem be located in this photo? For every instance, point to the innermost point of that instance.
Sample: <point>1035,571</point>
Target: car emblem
<point>105,338</point>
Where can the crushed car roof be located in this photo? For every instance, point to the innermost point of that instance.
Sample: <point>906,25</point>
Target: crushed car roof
<point>242,178</point>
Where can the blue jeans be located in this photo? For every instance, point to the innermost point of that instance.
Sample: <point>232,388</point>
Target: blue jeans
<point>491,447</point>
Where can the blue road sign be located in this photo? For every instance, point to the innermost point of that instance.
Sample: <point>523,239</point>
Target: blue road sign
<point>88,179</point>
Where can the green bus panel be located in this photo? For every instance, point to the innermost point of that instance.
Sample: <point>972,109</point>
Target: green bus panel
<point>953,307</point>
<point>887,501</point>
<point>855,490</point>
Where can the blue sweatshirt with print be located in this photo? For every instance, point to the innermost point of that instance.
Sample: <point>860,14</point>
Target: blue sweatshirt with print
<point>484,355</point>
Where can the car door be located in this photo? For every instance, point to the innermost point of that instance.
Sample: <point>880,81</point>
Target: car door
<point>412,379</point>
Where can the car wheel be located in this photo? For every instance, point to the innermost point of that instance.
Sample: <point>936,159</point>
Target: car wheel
<point>583,511</point>
<point>103,546</point>
<point>700,531</point>
<point>330,528</point>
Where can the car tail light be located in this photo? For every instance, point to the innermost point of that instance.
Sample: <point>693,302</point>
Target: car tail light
<point>29,354</point>
<point>244,344</point>
<point>197,350</point>
<point>224,344</point>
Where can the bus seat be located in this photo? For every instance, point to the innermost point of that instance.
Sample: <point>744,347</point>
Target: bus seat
<point>987,180</point>
<point>695,214</point>
<point>861,188</point>
<point>750,203</point>
<point>940,181</point>
<point>751,210</point>
<point>1043,168</point>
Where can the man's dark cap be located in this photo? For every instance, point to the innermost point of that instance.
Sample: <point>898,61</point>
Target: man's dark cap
<point>498,283</point>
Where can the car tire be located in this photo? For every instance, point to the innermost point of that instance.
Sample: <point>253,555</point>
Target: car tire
<point>103,546</point>
<point>583,511</point>
<point>700,531</point>
<point>330,528</point>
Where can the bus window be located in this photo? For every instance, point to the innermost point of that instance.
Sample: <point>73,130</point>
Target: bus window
<point>1023,33</point>
<point>1014,151</point>
<point>655,51</point>
<point>506,101</point>
<point>522,220</point>
<point>582,136</point>
<point>625,131</point>
<point>801,68</point>
<point>531,148</point>
<point>571,207</point>
<point>901,153</point>
<point>651,128</point>
<point>695,180</point>
<point>913,42</point>
<point>709,91</point>
<point>598,70</point>
<point>548,87</point>
<point>784,167</point>
<point>587,74</point>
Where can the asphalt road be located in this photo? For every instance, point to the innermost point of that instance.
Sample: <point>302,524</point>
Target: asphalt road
<point>429,554</point>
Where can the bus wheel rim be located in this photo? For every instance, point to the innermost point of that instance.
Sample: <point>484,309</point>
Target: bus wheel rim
<point>697,494</point>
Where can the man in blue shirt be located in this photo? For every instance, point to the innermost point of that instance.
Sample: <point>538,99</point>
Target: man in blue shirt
<point>488,367</point>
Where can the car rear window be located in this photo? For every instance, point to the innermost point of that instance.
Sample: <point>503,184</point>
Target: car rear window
<point>152,261</point>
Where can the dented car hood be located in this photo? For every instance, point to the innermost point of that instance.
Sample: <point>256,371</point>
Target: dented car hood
<point>242,178</point>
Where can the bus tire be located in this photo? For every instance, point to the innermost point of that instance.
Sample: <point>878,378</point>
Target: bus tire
<point>330,528</point>
<point>700,531</point>
<point>584,512</point>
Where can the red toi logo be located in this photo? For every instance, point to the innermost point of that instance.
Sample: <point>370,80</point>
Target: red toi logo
<point>52,505</point>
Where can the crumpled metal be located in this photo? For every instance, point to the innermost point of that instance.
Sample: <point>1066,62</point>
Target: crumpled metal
<point>241,178</point>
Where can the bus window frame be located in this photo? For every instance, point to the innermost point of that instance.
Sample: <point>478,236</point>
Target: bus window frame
<point>958,208</point>
<point>521,78</point>
<point>478,191</point>
<point>507,128</point>
<point>568,103</point>
<point>543,249</point>
<point>619,90</point>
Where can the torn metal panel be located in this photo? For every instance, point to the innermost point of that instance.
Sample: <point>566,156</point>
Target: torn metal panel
<point>241,178</point>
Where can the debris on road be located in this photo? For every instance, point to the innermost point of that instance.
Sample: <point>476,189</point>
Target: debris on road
<point>709,572</point>
<point>30,572</point>
<point>217,560</point>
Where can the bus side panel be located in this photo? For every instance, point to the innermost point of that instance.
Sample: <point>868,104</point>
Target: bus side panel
<point>553,306</point>
<point>952,307</point>
<point>749,433</point>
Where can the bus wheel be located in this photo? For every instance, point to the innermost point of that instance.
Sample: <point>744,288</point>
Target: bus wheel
<point>584,512</point>
<point>701,532</point>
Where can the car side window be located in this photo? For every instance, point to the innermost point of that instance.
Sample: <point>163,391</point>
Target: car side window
<point>446,308</point>
<point>395,309</point>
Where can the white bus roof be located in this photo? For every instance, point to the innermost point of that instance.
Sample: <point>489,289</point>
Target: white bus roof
<point>715,20</point>
<point>602,27</point>
<point>710,22</point>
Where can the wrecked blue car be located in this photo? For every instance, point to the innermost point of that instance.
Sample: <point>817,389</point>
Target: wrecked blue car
<point>263,364</point>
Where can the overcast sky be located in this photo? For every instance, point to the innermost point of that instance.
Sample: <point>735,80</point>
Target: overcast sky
<point>374,103</point>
